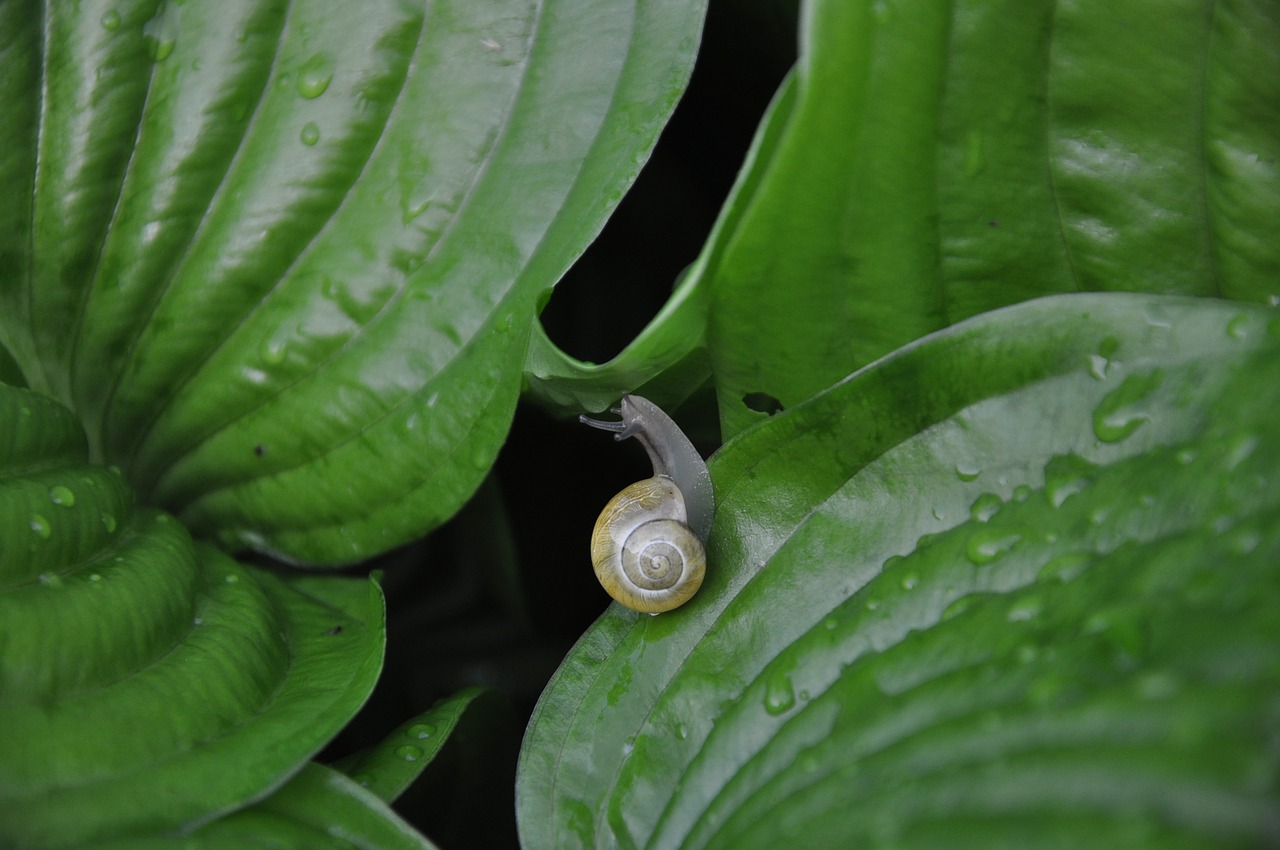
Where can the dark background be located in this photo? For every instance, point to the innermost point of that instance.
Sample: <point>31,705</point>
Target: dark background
<point>498,595</point>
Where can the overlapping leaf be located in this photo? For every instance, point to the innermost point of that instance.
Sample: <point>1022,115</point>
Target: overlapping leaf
<point>147,682</point>
<point>282,258</point>
<point>941,160</point>
<point>1015,585</point>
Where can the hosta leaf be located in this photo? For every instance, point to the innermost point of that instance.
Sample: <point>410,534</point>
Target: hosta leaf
<point>1014,585</point>
<point>942,160</point>
<point>668,360</point>
<point>388,768</point>
<point>148,682</point>
<point>282,258</point>
<point>317,808</point>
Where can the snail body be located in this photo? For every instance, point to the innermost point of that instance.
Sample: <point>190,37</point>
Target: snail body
<point>648,547</point>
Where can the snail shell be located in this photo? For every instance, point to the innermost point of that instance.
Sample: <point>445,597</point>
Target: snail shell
<point>648,546</point>
<point>644,553</point>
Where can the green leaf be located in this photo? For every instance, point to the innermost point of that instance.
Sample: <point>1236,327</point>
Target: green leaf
<point>668,360</point>
<point>388,768</point>
<point>317,808</point>
<point>1014,585</point>
<point>149,682</point>
<point>283,258</point>
<point>942,160</point>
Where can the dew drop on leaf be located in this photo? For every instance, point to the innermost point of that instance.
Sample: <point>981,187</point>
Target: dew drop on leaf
<point>314,76</point>
<point>1238,327</point>
<point>110,20</point>
<point>408,752</point>
<point>779,695</point>
<point>1115,419</point>
<point>1064,568</point>
<point>60,495</point>
<point>310,133</point>
<point>985,507</point>
<point>40,526</point>
<point>109,523</point>
<point>989,544</point>
<point>967,471</point>
<point>421,731</point>
<point>1027,608</point>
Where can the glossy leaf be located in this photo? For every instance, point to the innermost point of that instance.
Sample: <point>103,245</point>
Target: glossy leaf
<point>1014,585</point>
<point>149,682</point>
<point>390,767</point>
<point>282,258</point>
<point>668,360</point>
<point>317,808</point>
<point>942,160</point>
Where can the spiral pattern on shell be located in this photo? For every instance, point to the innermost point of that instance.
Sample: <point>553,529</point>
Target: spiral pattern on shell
<point>644,553</point>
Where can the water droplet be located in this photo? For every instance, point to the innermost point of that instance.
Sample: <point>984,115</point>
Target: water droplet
<point>830,624</point>
<point>909,581</point>
<point>50,580</point>
<point>778,694</point>
<point>110,20</point>
<point>1185,456</point>
<point>61,495</point>
<point>160,35</point>
<point>409,752</point>
<point>1100,364</point>
<point>958,607</point>
<point>1238,327</point>
<point>989,544</point>
<point>682,731</point>
<point>985,507</point>
<point>1027,608</point>
<point>232,579</point>
<point>40,526</point>
<point>421,731</point>
<point>310,133</point>
<point>1114,419</point>
<point>274,351</point>
<point>95,577</point>
<point>967,471</point>
<point>1065,476</point>
<point>314,76</point>
<point>1021,493</point>
<point>1064,568</point>
<point>109,523</point>
<point>872,604</point>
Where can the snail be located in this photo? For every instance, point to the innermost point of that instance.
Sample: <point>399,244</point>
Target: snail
<point>649,544</point>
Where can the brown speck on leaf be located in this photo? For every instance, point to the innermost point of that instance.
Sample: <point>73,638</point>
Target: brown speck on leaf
<point>336,630</point>
<point>259,450</point>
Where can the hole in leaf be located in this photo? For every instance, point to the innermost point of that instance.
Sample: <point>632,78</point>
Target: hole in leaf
<point>763,403</point>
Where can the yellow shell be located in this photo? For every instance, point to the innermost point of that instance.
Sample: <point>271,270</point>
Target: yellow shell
<point>644,553</point>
